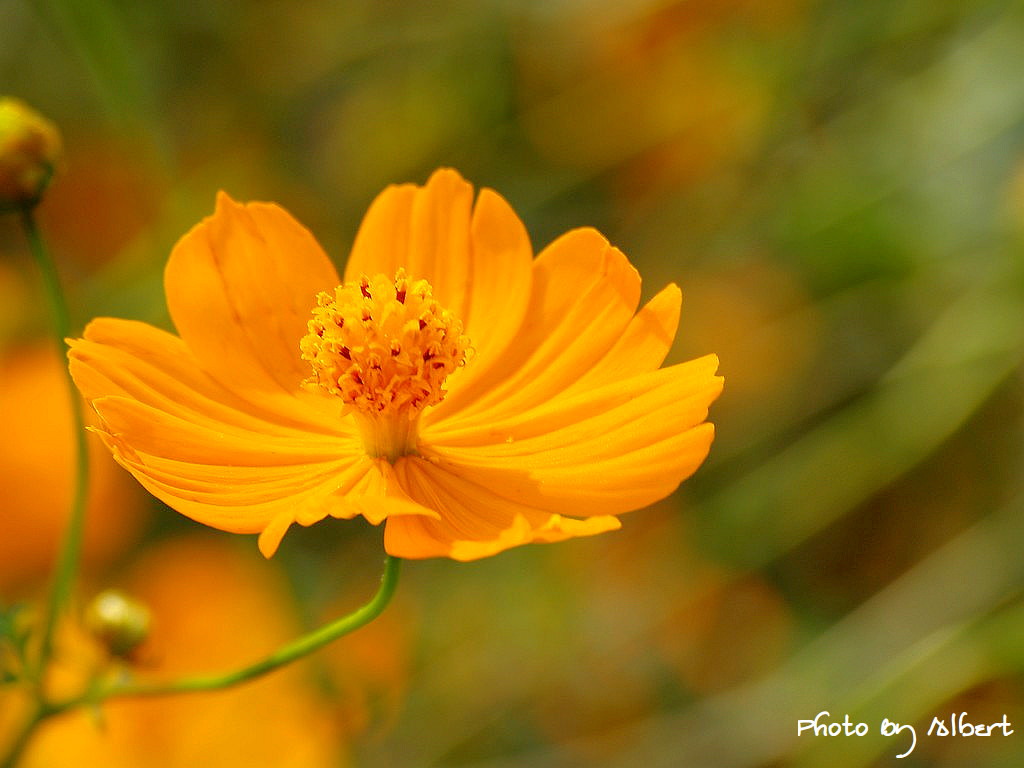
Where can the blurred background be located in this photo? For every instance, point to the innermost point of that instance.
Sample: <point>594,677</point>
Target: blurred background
<point>838,188</point>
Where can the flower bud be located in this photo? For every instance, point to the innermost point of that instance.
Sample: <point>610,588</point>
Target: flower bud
<point>120,622</point>
<point>30,148</point>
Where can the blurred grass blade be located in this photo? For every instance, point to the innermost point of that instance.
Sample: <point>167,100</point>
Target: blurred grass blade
<point>932,633</point>
<point>106,48</point>
<point>867,445</point>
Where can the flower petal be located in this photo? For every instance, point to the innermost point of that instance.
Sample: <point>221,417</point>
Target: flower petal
<point>473,522</point>
<point>590,414</point>
<point>606,451</point>
<point>270,537</point>
<point>240,286</point>
<point>245,502</point>
<point>387,498</point>
<point>501,276</point>
<point>377,496</point>
<point>250,499</point>
<point>136,360</point>
<point>203,450</point>
<point>585,293</point>
<point>477,258</point>
<point>604,487</point>
<point>642,347</point>
<point>423,229</point>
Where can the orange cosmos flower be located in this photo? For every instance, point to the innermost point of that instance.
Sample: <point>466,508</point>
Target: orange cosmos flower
<point>470,395</point>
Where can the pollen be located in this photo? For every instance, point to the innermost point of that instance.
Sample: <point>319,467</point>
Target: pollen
<point>384,346</point>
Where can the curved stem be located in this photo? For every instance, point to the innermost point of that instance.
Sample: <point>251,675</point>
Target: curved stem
<point>297,649</point>
<point>71,545</point>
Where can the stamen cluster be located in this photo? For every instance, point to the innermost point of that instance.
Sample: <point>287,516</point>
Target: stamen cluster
<point>384,346</point>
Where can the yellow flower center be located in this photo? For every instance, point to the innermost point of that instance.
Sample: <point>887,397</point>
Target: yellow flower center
<point>385,347</point>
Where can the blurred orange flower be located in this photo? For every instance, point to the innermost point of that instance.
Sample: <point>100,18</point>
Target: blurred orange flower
<point>37,476</point>
<point>453,385</point>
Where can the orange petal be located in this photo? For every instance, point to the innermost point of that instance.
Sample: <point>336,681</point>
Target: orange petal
<point>607,451</point>
<point>608,486</point>
<point>642,347</point>
<point>270,537</point>
<point>375,494</point>
<point>216,464</point>
<point>245,504</point>
<point>215,456</point>
<point>381,245</point>
<point>500,286</point>
<point>477,258</point>
<point>135,360</point>
<point>240,286</point>
<point>423,229</point>
<point>269,500</point>
<point>585,293</point>
<point>473,522</point>
<point>226,485</point>
<point>386,497</point>
<point>151,430</point>
<point>679,395</point>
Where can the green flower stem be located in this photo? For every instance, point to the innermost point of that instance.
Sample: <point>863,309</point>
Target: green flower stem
<point>293,651</point>
<point>297,649</point>
<point>71,545</point>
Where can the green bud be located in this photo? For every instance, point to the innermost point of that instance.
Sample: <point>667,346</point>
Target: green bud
<point>120,622</point>
<point>30,149</point>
